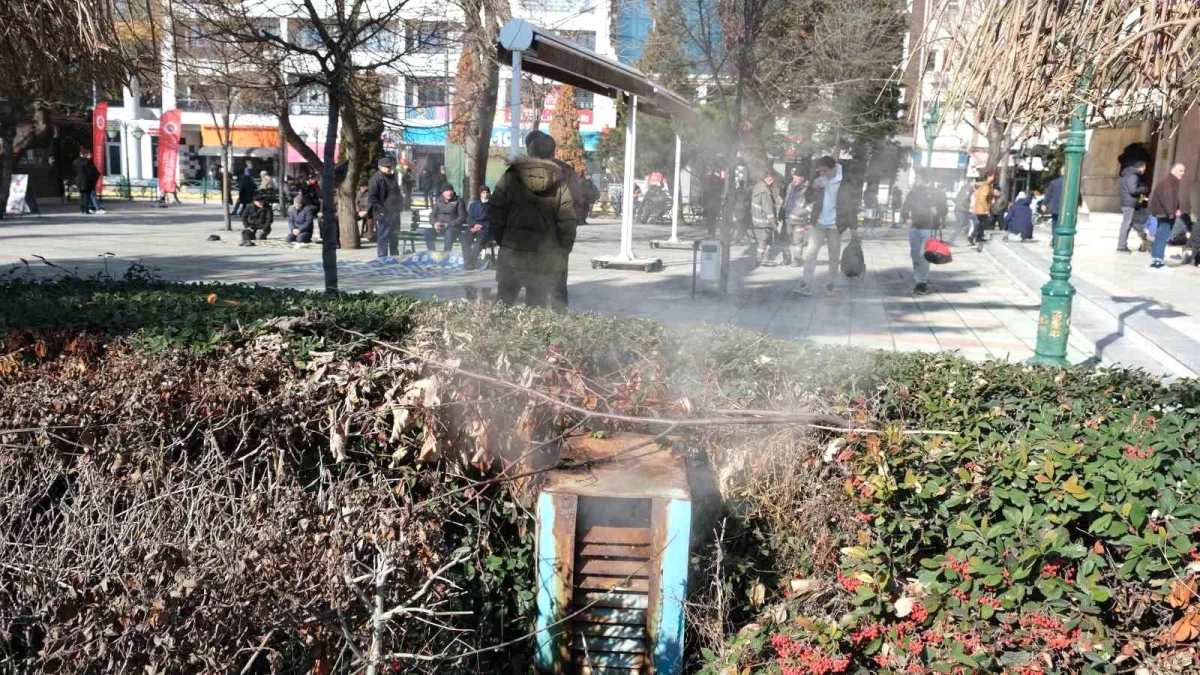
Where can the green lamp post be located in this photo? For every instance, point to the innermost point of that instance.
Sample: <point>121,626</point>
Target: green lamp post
<point>1054,320</point>
<point>932,121</point>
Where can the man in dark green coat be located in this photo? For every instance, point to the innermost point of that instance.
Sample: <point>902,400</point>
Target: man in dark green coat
<point>533,220</point>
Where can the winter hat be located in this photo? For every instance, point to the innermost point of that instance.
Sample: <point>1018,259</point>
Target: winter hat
<point>387,161</point>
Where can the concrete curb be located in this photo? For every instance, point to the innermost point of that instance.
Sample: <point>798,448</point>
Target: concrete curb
<point>1122,333</point>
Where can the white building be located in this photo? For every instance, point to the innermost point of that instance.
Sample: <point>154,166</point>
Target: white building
<point>415,96</point>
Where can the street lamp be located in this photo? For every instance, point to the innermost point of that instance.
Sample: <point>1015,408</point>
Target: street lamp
<point>932,121</point>
<point>137,134</point>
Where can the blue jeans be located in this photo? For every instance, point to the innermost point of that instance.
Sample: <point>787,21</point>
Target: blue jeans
<point>916,248</point>
<point>1162,235</point>
<point>387,236</point>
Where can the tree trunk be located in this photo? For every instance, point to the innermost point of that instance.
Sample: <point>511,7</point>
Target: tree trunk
<point>228,188</point>
<point>479,130</point>
<point>347,213</point>
<point>329,222</point>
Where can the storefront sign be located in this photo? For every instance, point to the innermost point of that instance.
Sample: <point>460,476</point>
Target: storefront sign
<point>99,127</point>
<point>585,116</point>
<point>168,149</point>
<point>16,195</point>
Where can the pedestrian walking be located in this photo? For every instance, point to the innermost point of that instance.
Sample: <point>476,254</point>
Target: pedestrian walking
<point>533,220</point>
<point>1019,219</point>
<point>477,232</point>
<point>256,220</point>
<point>962,212</point>
<point>86,175</point>
<point>764,215</point>
<point>301,219</point>
<point>923,213</point>
<point>385,202</point>
<point>246,191</point>
<point>795,217</point>
<point>981,209</point>
<point>826,233</point>
<point>1132,194</point>
<point>1168,202</point>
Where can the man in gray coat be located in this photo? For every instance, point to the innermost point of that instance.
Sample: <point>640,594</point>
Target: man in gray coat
<point>1133,193</point>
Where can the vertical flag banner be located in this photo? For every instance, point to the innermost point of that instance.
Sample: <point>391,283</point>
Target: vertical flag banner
<point>168,149</point>
<point>99,127</point>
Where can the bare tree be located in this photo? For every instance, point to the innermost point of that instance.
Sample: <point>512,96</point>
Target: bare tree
<point>326,46</point>
<point>477,84</point>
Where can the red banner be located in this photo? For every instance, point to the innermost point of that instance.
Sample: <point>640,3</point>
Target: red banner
<point>99,127</point>
<point>168,149</point>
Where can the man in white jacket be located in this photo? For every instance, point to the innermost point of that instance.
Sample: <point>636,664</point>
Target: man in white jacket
<point>825,234</point>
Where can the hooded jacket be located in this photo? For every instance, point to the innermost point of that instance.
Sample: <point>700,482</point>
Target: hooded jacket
<point>764,206</point>
<point>257,217</point>
<point>1132,189</point>
<point>302,218</point>
<point>532,185</point>
<point>1168,198</point>
<point>926,208</point>
<point>451,212</point>
<point>981,203</point>
<point>1019,219</point>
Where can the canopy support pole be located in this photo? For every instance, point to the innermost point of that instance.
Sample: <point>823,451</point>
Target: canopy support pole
<point>514,91</point>
<point>626,253</point>
<point>675,194</point>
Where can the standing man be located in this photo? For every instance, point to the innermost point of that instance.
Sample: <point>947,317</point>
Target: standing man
<point>533,220</point>
<point>1167,203</point>
<point>384,205</point>
<point>826,231</point>
<point>591,195</point>
<point>962,212</point>
<point>1052,203</point>
<point>1132,192</point>
<point>923,213</point>
<point>794,218</point>
<point>407,183</point>
<point>86,175</point>
<point>448,215</point>
<point>764,213</point>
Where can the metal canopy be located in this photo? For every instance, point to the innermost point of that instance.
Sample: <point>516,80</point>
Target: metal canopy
<point>562,60</point>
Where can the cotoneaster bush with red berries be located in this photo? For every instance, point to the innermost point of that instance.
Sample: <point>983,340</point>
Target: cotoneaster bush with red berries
<point>1055,531</point>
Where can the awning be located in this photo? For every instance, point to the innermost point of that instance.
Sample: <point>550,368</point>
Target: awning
<point>559,59</point>
<point>294,156</point>
<point>425,135</point>
<point>242,137</point>
<point>256,153</point>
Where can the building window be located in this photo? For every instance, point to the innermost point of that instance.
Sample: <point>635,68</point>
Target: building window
<point>426,92</point>
<point>112,166</point>
<point>154,157</point>
<point>430,37</point>
<point>633,27</point>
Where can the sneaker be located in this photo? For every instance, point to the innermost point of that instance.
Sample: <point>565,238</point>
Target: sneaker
<point>921,289</point>
<point>1157,265</point>
<point>1005,236</point>
<point>101,212</point>
<point>1030,240</point>
<point>803,290</point>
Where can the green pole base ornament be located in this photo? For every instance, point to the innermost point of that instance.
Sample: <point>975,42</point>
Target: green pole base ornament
<point>1054,320</point>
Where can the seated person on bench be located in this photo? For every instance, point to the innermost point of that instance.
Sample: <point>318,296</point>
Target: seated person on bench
<point>477,232</point>
<point>447,216</point>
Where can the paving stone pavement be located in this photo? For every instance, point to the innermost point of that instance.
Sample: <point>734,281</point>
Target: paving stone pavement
<point>976,308</point>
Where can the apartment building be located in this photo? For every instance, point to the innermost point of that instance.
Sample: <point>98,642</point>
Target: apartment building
<point>416,92</point>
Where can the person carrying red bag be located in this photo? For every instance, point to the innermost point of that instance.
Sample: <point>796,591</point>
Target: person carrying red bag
<point>924,212</point>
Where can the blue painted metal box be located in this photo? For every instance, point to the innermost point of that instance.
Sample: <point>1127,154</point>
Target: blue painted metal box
<point>612,560</point>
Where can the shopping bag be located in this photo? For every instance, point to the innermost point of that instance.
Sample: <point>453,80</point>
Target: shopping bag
<point>1151,226</point>
<point>853,263</point>
<point>937,251</point>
